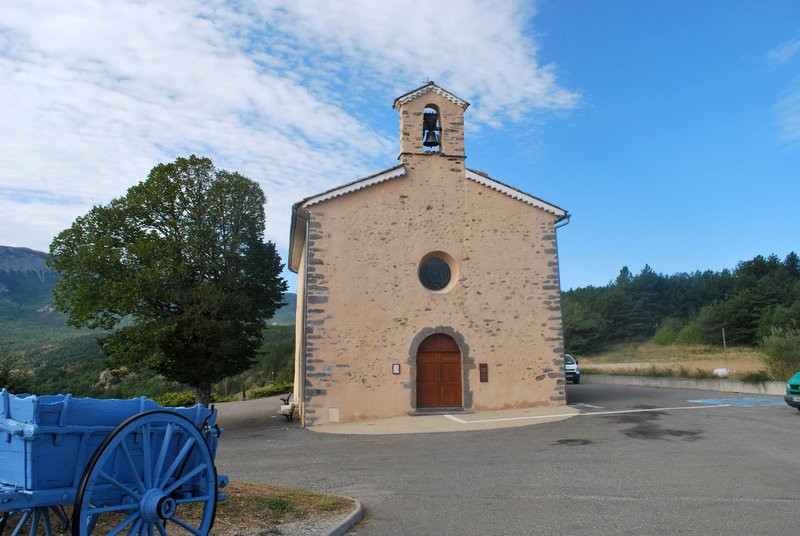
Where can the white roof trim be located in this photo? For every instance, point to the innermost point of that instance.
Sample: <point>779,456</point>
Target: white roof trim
<point>436,89</point>
<point>516,194</point>
<point>355,186</point>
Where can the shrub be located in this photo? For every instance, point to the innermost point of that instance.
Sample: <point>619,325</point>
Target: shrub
<point>668,331</point>
<point>272,390</point>
<point>779,316</point>
<point>13,375</point>
<point>782,349</point>
<point>286,375</point>
<point>762,376</point>
<point>689,334</point>
<point>177,398</point>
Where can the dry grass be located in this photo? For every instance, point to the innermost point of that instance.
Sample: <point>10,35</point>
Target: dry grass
<point>259,509</point>
<point>250,510</point>
<point>634,358</point>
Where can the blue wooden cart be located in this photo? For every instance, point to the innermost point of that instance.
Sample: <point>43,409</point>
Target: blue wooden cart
<point>123,466</point>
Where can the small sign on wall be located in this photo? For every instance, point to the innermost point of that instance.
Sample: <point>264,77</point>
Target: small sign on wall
<point>484,371</point>
<point>396,368</point>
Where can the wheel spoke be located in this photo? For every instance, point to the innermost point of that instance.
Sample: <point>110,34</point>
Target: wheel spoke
<point>120,486</point>
<point>132,467</point>
<point>193,530</point>
<point>62,517</point>
<point>134,530</point>
<point>25,517</point>
<point>195,499</point>
<point>37,513</point>
<point>187,448</point>
<point>125,522</point>
<point>114,508</point>
<point>148,460</point>
<point>91,523</point>
<point>47,528</point>
<point>185,478</point>
<point>168,460</point>
<point>163,454</point>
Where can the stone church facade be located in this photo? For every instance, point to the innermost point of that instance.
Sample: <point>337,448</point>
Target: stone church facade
<point>427,287</point>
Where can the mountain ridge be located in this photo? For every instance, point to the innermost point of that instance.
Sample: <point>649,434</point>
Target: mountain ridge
<point>24,260</point>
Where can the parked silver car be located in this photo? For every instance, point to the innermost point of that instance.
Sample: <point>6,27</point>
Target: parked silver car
<point>571,368</point>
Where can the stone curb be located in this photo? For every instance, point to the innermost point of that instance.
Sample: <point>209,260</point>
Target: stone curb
<point>728,386</point>
<point>349,522</point>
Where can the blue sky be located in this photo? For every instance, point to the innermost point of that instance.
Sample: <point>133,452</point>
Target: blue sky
<point>669,130</point>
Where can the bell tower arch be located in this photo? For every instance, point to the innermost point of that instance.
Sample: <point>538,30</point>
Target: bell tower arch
<point>431,122</point>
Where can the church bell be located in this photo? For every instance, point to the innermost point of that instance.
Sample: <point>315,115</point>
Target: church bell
<point>431,139</point>
<point>430,125</point>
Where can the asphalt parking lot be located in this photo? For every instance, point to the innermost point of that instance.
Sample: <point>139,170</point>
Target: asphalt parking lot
<point>634,460</point>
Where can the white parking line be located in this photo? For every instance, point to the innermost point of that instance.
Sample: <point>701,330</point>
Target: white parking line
<point>618,412</point>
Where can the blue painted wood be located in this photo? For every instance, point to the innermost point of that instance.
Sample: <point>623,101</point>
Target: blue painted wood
<point>46,441</point>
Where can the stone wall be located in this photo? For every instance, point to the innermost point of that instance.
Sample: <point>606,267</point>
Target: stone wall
<point>367,309</point>
<point>451,121</point>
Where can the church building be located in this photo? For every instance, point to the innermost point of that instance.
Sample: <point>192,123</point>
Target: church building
<point>427,287</point>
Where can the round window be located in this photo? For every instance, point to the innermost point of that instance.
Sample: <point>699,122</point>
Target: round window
<point>434,273</point>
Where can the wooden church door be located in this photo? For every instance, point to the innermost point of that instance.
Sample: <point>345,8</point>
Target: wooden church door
<point>438,373</point>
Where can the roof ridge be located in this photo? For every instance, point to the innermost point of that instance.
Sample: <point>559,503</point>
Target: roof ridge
<point>358,184</point>
<point>430,86</point>
<point>483,178</point>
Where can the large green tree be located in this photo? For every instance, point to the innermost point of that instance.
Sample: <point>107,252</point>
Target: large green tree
<point>177,270</point>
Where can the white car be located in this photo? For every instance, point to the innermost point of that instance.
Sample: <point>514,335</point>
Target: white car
<point>571,368</point>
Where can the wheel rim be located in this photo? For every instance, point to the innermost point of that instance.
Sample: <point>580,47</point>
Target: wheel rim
<point>152,475</point>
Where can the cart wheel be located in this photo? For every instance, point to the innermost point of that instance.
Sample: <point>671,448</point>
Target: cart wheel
<point>153,474</point>
<point>37,517</point>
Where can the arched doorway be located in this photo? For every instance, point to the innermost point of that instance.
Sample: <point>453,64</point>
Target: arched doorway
<point>439,373</point>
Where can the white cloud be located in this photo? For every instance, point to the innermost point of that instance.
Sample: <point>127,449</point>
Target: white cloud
<point>478,50</point>
<point>784,52</point>
<point>787,109</point>
<point>94,94</point>
<point>788,113</point>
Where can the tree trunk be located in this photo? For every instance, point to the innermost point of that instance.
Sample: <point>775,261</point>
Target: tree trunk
<point>203,393</point>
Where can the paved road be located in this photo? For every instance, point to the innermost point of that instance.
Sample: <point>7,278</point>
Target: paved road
<point>709,470</point>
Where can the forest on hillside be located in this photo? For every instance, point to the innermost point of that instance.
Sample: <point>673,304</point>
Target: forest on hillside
<point>75,364</point>
<point>749,302</point>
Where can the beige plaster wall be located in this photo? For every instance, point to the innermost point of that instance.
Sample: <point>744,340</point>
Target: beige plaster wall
<point>367,309</point>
